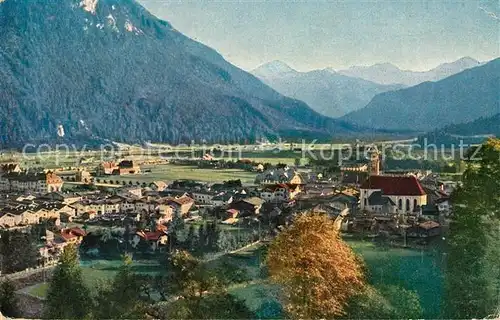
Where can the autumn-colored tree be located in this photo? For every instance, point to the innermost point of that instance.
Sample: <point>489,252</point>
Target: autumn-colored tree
<point>316,270</point>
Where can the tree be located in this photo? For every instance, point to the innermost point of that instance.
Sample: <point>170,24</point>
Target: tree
<point>386,302</point>
<point>122,298</point>
<point>472,282</point>
<point>18,251</point>
<point>213,232</point>
<point>203,295</point>
<point>297,162</point>
<point>316,270</point>
<point>189,277</point>
<point>176,226</point>
<point>191,238</point>
<point>202,238</point>
<point>68,297</point>
<point>9,304</point>
<point>224,243</point>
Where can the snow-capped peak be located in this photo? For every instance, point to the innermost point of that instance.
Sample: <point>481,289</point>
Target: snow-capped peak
<point>273,69</point>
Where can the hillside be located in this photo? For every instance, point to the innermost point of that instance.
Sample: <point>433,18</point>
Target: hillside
<point>109,69</point>
<point>471,132</point>
<point>326,91</point>
<point>460,98</point>
<point>386,73</point>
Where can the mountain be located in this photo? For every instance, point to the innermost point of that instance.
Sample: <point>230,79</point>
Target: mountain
<point>461,98</point>
<point>110,69</point>
<point>273,69</point>
<point>386,73</point>
<point>471,132</point>
<point>326,91</point>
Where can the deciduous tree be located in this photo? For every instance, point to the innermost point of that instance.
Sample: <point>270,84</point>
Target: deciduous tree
<point>316,270</point>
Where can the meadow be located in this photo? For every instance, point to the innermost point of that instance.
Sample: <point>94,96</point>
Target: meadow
<point>416,270</point>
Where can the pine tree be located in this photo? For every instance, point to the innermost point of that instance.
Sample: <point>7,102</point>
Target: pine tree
<point>472,280</point>
<point>191,239</point>
<point>8,300</point>
<point>122,298</point>
<point>202,237</point>
<point>68,297</point>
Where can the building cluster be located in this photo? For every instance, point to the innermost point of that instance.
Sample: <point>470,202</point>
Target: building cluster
<point>14,179</point>
<point>124,167</point>
<point>362,199</point>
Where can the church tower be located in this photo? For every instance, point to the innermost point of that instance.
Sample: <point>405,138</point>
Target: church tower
<point>374,167</point>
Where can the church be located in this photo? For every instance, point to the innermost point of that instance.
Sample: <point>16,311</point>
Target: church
<point>390,194</point>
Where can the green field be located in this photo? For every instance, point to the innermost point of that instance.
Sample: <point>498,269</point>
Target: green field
<point>169,172</point>
<point>411,269</point>
<point>96,271</point>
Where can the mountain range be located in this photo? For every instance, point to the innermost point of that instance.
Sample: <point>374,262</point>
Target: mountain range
<point>109,69</point>
<point>387,73</point>
<point>460,98</point>
<point>336,93</point>
<point>326,91</point>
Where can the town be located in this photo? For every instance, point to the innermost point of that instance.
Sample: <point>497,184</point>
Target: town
<point>88,206</point>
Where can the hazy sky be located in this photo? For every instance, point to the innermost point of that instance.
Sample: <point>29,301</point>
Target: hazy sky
<point>309,34</point>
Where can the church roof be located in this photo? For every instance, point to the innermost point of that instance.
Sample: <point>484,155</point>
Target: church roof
<point>395,185</point>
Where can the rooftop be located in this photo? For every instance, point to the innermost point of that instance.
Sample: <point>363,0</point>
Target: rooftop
<point>395,185</point>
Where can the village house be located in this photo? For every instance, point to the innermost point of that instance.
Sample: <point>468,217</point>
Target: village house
<point>274,176</point>
<point>10,168</point>
<point>247,207</point>
<point>66,198</point>
<point>15,213</point>
<point>158,186</point>
<point>181,205</point>
<point>164,210</point>
<point>341,201</point>
<point>280,192</point>
<point>203,197</point>
<point>225,198</point>
<point>154,239</point>
<point>39,182</point>
<point>83,176</point>
<point>404,191</point>
<point>106,168</point>
<point>425,229</point>
<point>72,235</point>
<point>130,191</point>
<point>126,167</point>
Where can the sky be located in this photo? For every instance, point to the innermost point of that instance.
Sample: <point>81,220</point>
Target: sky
<point>314,34</point>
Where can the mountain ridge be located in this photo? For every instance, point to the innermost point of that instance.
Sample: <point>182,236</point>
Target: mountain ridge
<point>432,105</point>
<point>130,77</point>
<point>387,73</point>
<point>329,93</point>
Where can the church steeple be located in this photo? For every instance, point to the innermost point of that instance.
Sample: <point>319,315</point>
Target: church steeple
<point>374,168</point>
